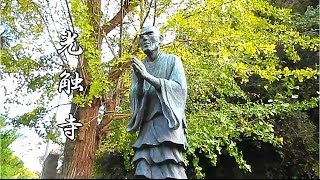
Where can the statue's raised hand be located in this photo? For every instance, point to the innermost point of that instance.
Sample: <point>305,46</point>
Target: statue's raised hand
<point>139,68</point>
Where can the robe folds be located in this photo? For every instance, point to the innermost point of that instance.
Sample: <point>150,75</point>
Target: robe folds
<point>159,116</point>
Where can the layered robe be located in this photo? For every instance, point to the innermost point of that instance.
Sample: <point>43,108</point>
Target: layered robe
<point>159,115</point>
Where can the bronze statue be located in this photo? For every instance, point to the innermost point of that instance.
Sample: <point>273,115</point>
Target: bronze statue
<point>158,98</point>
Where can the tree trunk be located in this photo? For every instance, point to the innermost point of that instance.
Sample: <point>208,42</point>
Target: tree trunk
<point>79,154</point>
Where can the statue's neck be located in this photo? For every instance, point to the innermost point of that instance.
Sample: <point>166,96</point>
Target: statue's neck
<point>152,56</point>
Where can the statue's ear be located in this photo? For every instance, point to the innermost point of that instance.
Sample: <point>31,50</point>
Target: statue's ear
<point>161,39</point>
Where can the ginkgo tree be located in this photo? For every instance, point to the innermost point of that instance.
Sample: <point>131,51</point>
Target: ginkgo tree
<point>30,56</point>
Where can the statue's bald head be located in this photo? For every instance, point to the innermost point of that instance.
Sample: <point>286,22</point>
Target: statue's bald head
<point>148,29</point>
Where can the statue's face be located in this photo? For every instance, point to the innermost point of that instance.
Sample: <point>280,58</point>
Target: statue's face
<point>150,39</point>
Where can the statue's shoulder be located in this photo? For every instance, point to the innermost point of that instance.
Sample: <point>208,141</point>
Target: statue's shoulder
<point>172,57</point>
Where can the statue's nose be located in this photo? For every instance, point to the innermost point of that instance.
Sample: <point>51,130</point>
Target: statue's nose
<point>144,38</point>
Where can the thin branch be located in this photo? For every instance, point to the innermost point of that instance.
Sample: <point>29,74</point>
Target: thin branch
<point>105,126</point>
<point>130,18</point>
<point>110,47</point>
<point>145,18</point>
<point>155,12</point>
<point>48,6</point>
<point>64,12</point>
<point>121,29</point>
<point>51,39</point>
<point>121,116</point>
<point>116,20</point>
<point>58,106</point>
<point>116,95</point>
<point>70,15</point>
<point>117,127</point>
<point>116,117</point>
<point>142,11</point>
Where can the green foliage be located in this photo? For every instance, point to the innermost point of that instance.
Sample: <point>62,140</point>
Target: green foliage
<point>24,61</point>
<point>226,44</point>
<point>99,84</point>
<point>21,17</point>
<point>308,23</point>
<point>11,166</point>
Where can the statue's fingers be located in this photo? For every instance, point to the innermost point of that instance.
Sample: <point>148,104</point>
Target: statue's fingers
<point>135,60</point>
<point>140,64</point>
<point>134,66</point>
<point>137,68</point>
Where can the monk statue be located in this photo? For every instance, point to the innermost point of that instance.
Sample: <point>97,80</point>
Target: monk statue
<point>158,99</point>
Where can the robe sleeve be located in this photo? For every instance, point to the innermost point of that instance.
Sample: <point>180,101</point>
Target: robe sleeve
<point>137,105</point>
<point>173,95</point>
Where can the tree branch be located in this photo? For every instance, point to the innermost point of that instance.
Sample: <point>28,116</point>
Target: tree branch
<point>155,12</point>
<point>116,20</point>
<point>121,29</point>
<point>111,49</point>
<point>58,106</point>
<point>69,13</point>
